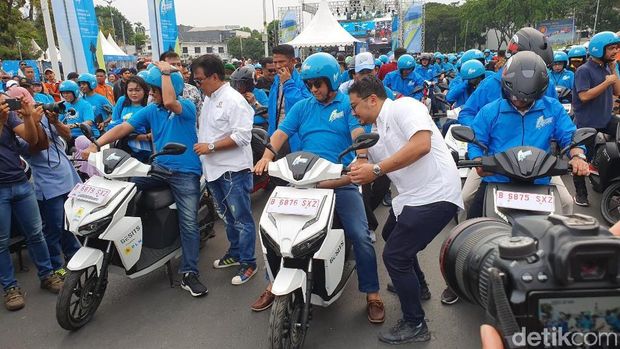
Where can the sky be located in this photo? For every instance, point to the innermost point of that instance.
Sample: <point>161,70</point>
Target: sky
<point>203,13</point>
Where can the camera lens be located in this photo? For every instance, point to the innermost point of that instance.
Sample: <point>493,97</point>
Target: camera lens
<point>468,252</point>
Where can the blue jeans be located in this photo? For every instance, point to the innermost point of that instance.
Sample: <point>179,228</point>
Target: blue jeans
<point>59,241</point>
<point>350,210</point>
<point>19,198</point>
<point>232,200</point>
<point>185,188</point>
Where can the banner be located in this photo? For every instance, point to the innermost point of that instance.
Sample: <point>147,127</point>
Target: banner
<point>412,28</point>
<point>395,39</point>
<point>558,32</point>
<point>77,31</point>
<point>359,29</point>
<point>288,27</point>
<point>12,68</point>
<point>163,23</point>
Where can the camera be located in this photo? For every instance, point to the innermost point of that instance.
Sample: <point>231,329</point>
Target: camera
<point>546,272</point>
<point>58,108</point>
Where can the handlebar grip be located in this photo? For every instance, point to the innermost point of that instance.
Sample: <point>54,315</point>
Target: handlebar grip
<point>469,163</point>
<point>160,172</point>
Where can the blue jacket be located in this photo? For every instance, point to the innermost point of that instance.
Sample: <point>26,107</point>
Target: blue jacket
<point>499,126</point>
<point>427,73</point>
<point>458,92</point>
<point>565,78</point>
<point>262,99</point>
<point>396,83</point>
<point>489,90</point>
<point>294,90</point>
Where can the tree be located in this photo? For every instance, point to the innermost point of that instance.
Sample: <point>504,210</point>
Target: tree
<point>120,23</point>
<point>442,27</point>
<point>252,48</point>
<point>16,31</point>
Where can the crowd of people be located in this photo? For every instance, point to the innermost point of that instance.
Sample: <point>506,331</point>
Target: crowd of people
<point>318,105</point>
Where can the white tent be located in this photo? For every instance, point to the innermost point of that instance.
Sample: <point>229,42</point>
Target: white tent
<point>323,30</point>
<point>46,55</point>
<point>107,48</point>
<point>119,51</point>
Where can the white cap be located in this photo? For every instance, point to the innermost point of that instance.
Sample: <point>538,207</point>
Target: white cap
<point>11,83</point>
<point>364,60</point>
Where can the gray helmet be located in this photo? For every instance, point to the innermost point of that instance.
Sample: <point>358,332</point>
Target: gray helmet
<point>525,77</point>
<point>530,39</point>
<point>243,78</point>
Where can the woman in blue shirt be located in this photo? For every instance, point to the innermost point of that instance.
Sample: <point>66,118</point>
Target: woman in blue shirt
<point>135,98</point>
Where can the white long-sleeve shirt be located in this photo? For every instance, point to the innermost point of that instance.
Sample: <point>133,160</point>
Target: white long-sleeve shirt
<point>226,113</point>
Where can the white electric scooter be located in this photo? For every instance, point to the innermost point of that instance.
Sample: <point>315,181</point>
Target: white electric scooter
<point>309,261</point>
<point>110,214</point>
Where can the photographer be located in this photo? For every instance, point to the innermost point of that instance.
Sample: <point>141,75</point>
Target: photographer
<point>17,199</point>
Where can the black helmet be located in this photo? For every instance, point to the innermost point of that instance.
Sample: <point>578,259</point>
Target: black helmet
<point>525,77</point>
<point>530,39</point>
<point>242,79</point>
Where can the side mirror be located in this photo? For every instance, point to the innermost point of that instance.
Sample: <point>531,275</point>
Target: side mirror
<point>87,131</point>
<point>169,149</point>
<point>363,141</point>
<point>466,134</point>
<point>582,136</point>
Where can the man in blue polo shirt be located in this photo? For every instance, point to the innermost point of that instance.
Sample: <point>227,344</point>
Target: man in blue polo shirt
<point>171,119</point>
<point>325,126</point>
<point>596,82</point>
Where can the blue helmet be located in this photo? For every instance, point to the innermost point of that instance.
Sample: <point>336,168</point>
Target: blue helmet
<point>577,52</point>
<point>143,74</point>
<point>486,50</point>
<point>437,54</point>
<point>472,69</point>
<point>600,41</point>
<point>452,58</point>
<point>258,66</point>
<point>384,59</point>
<point>321,65</point>
<point>70,86</point>
<point>89,79</point>
<point>406,62</point>
<point>472,54</point>
<point>560,57</point>
<point>153,78</point>
<point>378,62</point>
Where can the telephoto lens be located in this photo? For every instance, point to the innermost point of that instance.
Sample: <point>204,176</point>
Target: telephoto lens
<point>468,252</point>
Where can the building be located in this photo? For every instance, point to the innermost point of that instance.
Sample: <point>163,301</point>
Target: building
<point>197,41</point>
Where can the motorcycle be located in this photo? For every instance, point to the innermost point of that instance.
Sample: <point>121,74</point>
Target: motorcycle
<point>522,165</point>
<point>110,216</point>
<point>605,175</point>
<point>308,260</point>
<point>565,96</point>
<point>458,150</point>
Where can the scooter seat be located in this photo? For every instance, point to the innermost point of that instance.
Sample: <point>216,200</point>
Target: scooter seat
<point>155,199</point>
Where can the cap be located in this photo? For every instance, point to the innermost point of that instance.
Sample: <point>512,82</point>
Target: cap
<point>48,69</point>
<point>11,83</point>
<point>364,60</point>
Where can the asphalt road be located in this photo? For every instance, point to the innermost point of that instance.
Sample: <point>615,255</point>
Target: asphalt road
<point>147,313</point>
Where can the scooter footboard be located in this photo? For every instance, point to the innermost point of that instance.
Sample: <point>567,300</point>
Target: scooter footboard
<point>288,280</point>
<point>86,257</point>
<point>537,196</point>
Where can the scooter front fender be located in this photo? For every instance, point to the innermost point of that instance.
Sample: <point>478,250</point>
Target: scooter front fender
<point>86,257</point>
<point>288,280</point>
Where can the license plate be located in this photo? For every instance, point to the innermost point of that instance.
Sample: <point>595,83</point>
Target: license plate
<point>297,206</point>
<point>524,201</point>
<point>89,193</point>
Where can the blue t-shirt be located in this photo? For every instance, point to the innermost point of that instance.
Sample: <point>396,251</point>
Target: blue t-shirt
<point>324,130</point>
<point>122,113</point>
<point>167,127</point>
<point>43,98</point>
<point>597,112</point>
<point>98,102</point>
<point>10,163</point>
<point>262,99</point>
<point>83,112</point>
<point>562,79</point>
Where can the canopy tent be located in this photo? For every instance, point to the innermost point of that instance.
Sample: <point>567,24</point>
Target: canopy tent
<point>45,56</point>
<point>323,30</point>
<point>112,54</point>
<point>119,51</point>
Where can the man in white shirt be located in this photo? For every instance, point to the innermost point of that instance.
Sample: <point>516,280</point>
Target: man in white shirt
<point>414,156</point>
<point>224,137</point>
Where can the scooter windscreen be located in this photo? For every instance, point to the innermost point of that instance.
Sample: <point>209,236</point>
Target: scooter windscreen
<point>525,164</point>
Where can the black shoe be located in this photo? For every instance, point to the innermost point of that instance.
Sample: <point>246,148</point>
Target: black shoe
<point>581,199</point>
<point>405,332</point>
<point>191,283</point>
<point>448,297</point>
<point>425,292</point>
<point>387,199</point>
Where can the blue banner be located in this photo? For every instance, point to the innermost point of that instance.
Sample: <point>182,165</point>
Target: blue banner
<point>359,29</point>
<point>558,32</point>
<point>77,31</point>
<point>288,27</point>
<point>12,68</point>
<point>395,40</point>
<point>163,23</point>
<point>412,28</point>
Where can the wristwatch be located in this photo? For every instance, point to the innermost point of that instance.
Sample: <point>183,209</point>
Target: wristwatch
<point>376,169</point>
<point>582,156</point>
<point>165,72</point>
<point>211,147</point>
<point>362,156</point>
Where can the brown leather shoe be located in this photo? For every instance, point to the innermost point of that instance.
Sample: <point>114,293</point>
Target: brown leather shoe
<point>376,311</point>
<point>263,302</point>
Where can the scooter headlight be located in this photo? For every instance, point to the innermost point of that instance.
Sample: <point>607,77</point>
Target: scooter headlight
<point>309,246</point>
<point>95,228</point>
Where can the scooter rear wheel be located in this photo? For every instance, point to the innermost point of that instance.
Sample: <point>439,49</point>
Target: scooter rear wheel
<point>78,300</point>
<point>285,329</point>
<point>610,203</point>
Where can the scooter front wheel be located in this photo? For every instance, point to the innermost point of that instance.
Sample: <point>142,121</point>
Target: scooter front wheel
<point>78,300</point>
<point>610,203</point>
<point>285,322</point>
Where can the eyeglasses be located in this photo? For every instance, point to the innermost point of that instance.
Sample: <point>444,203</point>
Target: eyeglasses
<point>354,106</point>
<point>316,83</point>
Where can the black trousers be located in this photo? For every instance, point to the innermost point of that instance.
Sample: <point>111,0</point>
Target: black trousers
<point>373,194</point>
